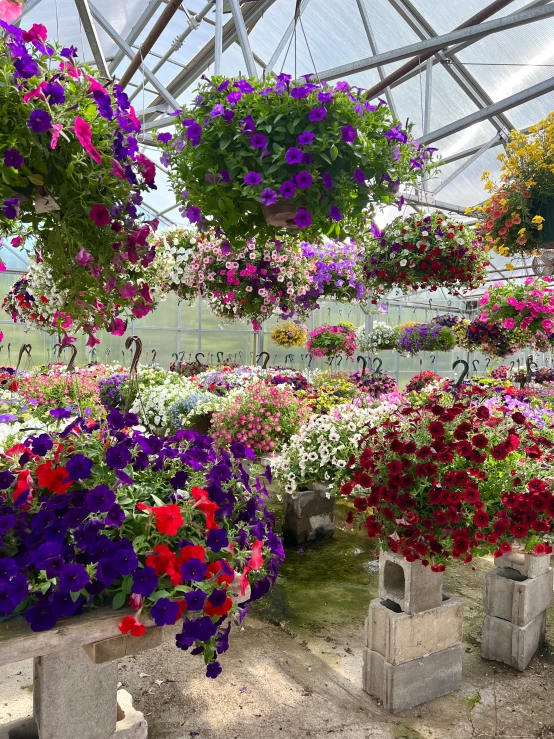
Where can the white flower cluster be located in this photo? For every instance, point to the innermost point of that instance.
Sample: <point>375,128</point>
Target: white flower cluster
<point>381,338</point>
<point>154,399</point>
<point>176,244</point>
<point>320,450</point>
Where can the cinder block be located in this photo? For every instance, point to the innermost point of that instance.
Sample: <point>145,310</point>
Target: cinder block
<point>503,641</point>
<point>301,530</point>
<point>401,637</point>
<point>414,587</point>
<point>131,723</point>
<point>73,697</point>
<point>530,565</point>
<point>122,646</point>
<point>510,595</point>
<point>400,687</point>
<point>309,503</point>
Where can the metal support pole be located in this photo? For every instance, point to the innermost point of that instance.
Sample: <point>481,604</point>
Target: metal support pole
<point>92,37</point>
<point>243,39</point>
<point>193,23</point>
<point>428,96</point>
<point>374,50</point>
<point>113,34</point>
<point>465,165</point>
<point>218,36</point>
<point>430,46</point>
<point>137,29</point>
<point>157,30</point>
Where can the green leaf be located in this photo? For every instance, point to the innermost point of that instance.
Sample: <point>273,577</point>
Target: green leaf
<point>118,601</point>
<point>160,594</point>
<point>127,584</point>
<point>75,595</point>
<point>325,157</point>
<point>334,152</point>
<point>36,179</point>
<point>224,142</point>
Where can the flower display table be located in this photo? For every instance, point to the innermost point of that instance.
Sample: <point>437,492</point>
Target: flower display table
<point>75,677</point>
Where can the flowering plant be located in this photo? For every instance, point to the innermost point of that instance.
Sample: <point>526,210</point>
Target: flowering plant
<point>72,173</point>
<point>454,480</point>
<point>425,337</point>
<point>289,333</point>
<point>328,390</point>
<point>251,282</point>
<point>330,341</point>
<point>374,383</point>
<point>322,153</point>
<point>338,269</point>
<point>429,252</point>
<point>518,215</point>
<point>460,331</point>
<point>490,338</point>
<point>381,338</point>
<point>502,372</point>
<point>421,380</point>
<point>10,10</point>
<point>543,374</point>
<point>524,310</point>
<point>319,452</point>
<point>263,417</point>
<point>168,526</point>
<point>112,391</point>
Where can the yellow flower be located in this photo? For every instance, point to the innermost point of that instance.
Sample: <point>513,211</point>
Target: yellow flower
<point>510,266</point>
<point>521,231</point>
<point>530,183</point>
<point>486,174</point>
<point>537,220</point>
<point>539,228</point>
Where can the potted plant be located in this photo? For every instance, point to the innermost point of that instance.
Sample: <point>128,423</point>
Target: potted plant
<point>289,333</point>
<point>331,341</point>
<point>382,337</point>
<point>425,337</point>
<point>424,253</point>
<point>261,156</point>
<point>437,483</point>
<point>102,513</point>
<point>337,269</point>
<point>518,217</point>
<point>72,174</point>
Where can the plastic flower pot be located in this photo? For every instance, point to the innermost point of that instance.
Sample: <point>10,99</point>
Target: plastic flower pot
<point>202,424</point>
<point>280,215</point>
<point>546,236</point>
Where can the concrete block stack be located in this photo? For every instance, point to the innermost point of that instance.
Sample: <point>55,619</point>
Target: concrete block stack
<point>310,515</point>
<point>413,648</point>
<point>516,594</point>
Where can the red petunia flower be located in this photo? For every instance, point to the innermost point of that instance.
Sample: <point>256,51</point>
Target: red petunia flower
<point>130,625</point>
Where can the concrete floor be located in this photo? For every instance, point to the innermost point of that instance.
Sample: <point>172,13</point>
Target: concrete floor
<point>294,672</point>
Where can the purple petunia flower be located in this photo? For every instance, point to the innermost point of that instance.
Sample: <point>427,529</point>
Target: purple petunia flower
<point>73,578</point>
<point>194,569</point>
<point>213,670</point>
<point>164,137</point>
<point>268,196</point>
<point>317,114</point>
<point>217,539</point>
<point>234,97</point>
<point>100,499</point>
<point>79,467</point>
<point>252,178</point>
<point>258,141</point>
<point>165,612</point>
<point>299,92</point>
<point>223,175</point>
<point>145,581</point>
<point>118,456</point>
<point>293,155</point>
<point>359,176</point>
<point>25,66</point>
<point>217,110</point>
<point>11,208</point>
<point>55,93</point>
<point>307,158</point>
<point>325,97</point>
<point>327,180</point>
<point>348,134</point>
<point>287,189</point>
<point>303,218</point>
<point>195,600</point>
<point>193,131</point>
<point>39,121</point>
<point>304,180</point>
<point>12,158</point>
<point>244,86</point>
<point>306,138</point>
<point>396,134</point>
<point>193,213</point>
<point>335,213</point>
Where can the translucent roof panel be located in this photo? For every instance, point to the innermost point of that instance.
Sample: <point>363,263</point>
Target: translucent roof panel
<point>465,79</point>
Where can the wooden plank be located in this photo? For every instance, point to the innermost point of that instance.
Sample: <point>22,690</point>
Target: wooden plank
<point>18,642</point>
<point>123,645</point>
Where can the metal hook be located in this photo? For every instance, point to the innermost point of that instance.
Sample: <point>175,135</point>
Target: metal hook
<point>199,354</point>
<point>219,359</point>
<point>364,364</point>
<point>136,354</point>
<point>154,355</point>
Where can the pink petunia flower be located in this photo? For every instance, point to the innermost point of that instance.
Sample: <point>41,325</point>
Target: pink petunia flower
<point>56,130</point>
<point>509,323</point>
<point>83,132</point>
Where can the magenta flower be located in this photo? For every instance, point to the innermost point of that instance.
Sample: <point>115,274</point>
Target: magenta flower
<point>258,141</point>
<point>83,132</point>
<point>83,257</point>
<point>268,196</point>
<point>304,179</point>
<point>100,215</point>
<point>287,189</point>
<point>252,178</point>
<point>12,158</point>
<point>317,114</point>
<point>303,218</point>
<point>348,134</point>
<point>293,155</point>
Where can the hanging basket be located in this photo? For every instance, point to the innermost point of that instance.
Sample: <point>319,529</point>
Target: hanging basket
<point>546,236</point>
<point>280,215</point>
